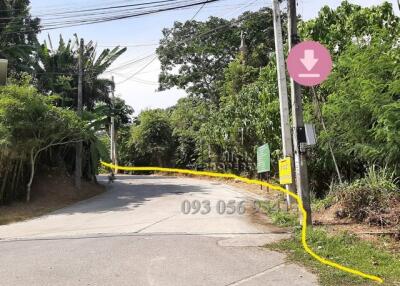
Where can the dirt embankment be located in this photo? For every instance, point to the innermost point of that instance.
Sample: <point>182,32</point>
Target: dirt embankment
<point>383,228</point>
<point>50,192</point>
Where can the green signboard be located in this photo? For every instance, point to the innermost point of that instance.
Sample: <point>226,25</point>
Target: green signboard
<point>263,159</point>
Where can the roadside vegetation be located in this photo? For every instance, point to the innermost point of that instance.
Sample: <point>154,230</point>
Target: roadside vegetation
<point>346,249</point>
<point>343,247</point>
<point>233,108</point>
<point>39,126</point>
<point>228,70</point>
<point>372,200</point>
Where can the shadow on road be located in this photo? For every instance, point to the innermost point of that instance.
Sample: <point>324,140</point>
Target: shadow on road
<point>130,192</point>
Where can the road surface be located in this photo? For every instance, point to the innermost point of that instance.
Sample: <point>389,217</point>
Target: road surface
<point>137,234</point>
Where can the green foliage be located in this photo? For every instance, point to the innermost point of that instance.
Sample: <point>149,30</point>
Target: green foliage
<point>41,122</point>
<point>152,138</point>
<point>279,217</point>
<point>31,121</point>
<point>369,196</point>
<point>28,123</point>
<point>57,72</point>
<point>200,51</point>
<point>17,46</point>
<point>349,23</point>
<point>347,250</point>
<point>187,119</point>
<point>323,204</point>
<point>248,116</point>
<point>360,100</point>
<point>362,103</point>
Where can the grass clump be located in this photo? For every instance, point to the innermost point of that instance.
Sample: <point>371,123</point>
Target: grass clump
<point>347,250</point>
<point>368,197</point>
<point>323,204</point>
<point>279,217</point>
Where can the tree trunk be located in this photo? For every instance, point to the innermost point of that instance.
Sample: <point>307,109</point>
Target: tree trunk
<point>3,185</point>
<point>29,185</point>
<point>33,158</point>
<point>14,178</point>
<point>321,118</point>
<point>20,176</point>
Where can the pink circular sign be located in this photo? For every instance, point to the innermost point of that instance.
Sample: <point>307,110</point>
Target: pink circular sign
<point>309,63</point>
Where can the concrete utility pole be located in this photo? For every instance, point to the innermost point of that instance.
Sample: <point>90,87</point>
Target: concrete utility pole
<point>112,131</point>
<point>283,94</point>
<point>79,145</point>
<point>299,135</point>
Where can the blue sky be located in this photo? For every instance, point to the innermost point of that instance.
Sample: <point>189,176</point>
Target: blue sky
<point>141,35</point>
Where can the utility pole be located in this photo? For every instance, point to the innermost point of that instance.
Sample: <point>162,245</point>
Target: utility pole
<point>79,145</point>
<point>113,150</point>
<point>299,137</point>
<point>283,94</point>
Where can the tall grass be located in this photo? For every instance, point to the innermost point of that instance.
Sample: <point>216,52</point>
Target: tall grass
<point>368,196</point>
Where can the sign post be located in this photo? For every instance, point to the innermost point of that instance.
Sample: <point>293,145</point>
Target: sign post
<point>263,160</point>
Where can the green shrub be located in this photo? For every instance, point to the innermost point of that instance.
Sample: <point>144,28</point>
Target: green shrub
<point>367,196</point>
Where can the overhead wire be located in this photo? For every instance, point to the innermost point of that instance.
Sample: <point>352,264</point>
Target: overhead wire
<point>136,73</point>
<point>135,61</point>
<point>120,15</point>
<point>201,35</point>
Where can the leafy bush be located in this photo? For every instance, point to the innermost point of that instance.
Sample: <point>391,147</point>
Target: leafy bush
<point>368,196</point>
<point>35,133</point>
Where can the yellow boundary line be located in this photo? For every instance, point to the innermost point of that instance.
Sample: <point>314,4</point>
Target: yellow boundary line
<point>256,182</point>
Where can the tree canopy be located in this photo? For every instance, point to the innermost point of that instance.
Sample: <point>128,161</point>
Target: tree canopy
<point>194,54</point>
<point>233,107</point>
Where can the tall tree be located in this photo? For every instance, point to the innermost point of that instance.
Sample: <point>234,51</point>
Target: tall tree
<point>350,23</point>
<point>152,138</point>
<point>194,54</point>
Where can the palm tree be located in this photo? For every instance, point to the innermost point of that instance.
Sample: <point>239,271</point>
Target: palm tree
<point>57,72</point>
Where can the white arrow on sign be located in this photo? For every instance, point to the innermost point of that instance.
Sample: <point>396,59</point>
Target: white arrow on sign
<point>309,61</point>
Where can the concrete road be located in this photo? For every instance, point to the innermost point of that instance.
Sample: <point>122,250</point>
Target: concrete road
<point>138,234</point>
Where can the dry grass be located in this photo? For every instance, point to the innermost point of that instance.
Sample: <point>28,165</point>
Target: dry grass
<point>49,193</point>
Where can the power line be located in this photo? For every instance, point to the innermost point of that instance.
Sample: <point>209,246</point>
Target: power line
<point>120,15</point>
<point>135,61</point>
<point>198,11</point>
<point>107,9</point>
<point>129,63</point>
<point>136,73</point>
<point>197,37</point>
<point>140,70</point>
